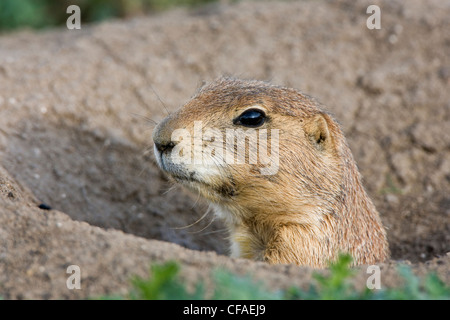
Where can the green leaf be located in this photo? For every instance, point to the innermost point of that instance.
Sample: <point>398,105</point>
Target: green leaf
<point>163,284</point>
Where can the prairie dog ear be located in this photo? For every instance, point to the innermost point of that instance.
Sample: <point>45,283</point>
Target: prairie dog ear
<point>319,130</point>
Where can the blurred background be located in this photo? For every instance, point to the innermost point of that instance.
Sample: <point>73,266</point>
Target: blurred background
<point>38,14</point>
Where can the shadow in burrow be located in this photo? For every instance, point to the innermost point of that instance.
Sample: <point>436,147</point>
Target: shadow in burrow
<point>107,182</point>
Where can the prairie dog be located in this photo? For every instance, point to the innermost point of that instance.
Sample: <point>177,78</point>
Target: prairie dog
<point>291,192</point>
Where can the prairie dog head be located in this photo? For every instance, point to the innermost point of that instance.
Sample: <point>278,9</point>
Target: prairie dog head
<point>253,148</point>
<point>276,169</point>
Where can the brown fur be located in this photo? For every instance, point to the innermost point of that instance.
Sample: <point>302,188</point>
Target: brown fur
<point>312,209</point>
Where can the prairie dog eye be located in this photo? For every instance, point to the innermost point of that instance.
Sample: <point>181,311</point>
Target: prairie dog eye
<point>251,118</point>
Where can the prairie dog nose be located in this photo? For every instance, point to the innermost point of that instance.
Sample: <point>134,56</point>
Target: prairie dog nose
<point>162,136</point>
<point>163,146</point>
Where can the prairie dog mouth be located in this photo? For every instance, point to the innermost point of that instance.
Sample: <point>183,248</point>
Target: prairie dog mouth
<point>175,170</point>
<point>208,180</point>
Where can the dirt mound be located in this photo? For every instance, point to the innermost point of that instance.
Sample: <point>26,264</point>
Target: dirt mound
<point>74,134</point>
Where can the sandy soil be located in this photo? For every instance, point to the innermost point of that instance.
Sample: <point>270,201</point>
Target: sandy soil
<point>74,135</point>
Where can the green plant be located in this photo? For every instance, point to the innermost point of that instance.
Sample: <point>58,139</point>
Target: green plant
<point>164,283</point>
<point>16,14</point>
<point>24,13</point>
<point>335,285</point>
<point>415,288</point>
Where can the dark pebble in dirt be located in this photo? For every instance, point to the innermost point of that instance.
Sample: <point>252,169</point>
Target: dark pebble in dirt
<point>44,206</point>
